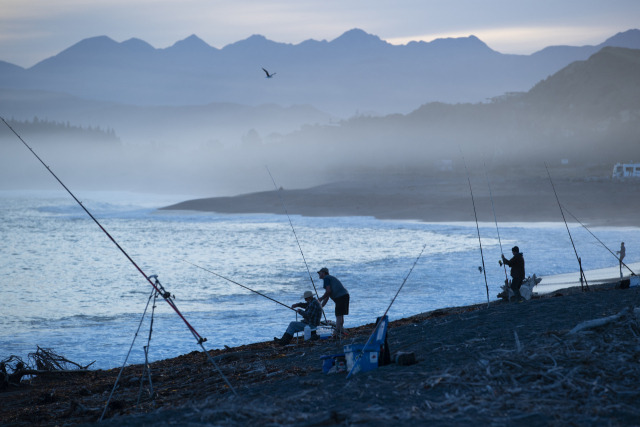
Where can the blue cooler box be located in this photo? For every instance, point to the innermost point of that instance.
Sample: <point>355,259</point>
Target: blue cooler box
<point>368,359</point>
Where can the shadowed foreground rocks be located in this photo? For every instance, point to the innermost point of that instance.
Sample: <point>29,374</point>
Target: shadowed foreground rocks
<point>508,364</point>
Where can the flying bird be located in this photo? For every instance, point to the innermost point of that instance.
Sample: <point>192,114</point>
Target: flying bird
<point>267,73</point>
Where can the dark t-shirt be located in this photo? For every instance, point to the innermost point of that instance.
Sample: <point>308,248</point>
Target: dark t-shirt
<point>337,290</point>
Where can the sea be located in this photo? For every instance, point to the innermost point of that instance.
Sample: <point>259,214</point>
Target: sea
<point>67,287</point>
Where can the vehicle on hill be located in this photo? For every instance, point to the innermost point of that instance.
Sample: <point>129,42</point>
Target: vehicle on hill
<point>626,170</point>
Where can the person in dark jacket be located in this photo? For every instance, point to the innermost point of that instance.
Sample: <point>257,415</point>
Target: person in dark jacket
<point>621,254</point>
<point>517,271</point>
<point>310,317</point>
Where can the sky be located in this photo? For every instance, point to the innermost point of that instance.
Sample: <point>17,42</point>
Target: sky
<point>33,30</point>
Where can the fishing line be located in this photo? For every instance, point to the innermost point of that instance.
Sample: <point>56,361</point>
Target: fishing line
<point>157,286</point>
<point>484,270</point>
<point>296,236</point>
<point>164,294</point>
<point>605,246</point>
<point>506,277</point>
<point>236,283</point>
<point>582,276</point>
<point>355,363</point>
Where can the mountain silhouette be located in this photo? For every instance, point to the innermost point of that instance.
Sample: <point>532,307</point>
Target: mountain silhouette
<point>354,73</point>
<point>602,87</point>
<point>586,112</point>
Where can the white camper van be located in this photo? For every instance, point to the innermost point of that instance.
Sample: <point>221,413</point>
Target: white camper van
<point>626,170</point>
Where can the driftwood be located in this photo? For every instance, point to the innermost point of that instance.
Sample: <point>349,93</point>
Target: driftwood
<point>595,323</point>
<point>15,378</point>
<point>45,359</point>
<point>10,371</point>
<point>44,362</point>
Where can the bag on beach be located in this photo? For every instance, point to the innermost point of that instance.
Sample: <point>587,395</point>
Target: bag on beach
<point>385,353</point>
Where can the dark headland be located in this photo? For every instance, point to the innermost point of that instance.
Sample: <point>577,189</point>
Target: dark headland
<point>445,197</point>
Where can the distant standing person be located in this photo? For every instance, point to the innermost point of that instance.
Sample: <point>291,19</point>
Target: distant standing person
<point>517,271</point>
<point>334,289</point>
<point>622,253</point>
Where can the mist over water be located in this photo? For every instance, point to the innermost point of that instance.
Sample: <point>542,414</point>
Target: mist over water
<point>65,285</point>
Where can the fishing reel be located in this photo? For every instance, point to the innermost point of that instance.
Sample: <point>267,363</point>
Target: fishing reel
<point>500,262</point>
<point>161,290</point>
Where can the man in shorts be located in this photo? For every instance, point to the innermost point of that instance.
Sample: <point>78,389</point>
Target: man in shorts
<point>333,289</point>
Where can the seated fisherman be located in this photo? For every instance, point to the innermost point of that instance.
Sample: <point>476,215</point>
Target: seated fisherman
<point>311,316</point>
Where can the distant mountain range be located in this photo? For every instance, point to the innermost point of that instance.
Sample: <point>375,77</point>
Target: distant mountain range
<point>587,113</point>
<point>356,73</point>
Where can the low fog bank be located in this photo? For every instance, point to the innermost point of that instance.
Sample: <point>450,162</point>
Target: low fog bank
<point>226,171</point>
<point>432,141</point>
<point>581,121</point>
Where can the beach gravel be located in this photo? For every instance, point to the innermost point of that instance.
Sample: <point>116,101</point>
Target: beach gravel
<point>503,364</point>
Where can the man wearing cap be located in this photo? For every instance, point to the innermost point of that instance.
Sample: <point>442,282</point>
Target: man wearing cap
<point>333,289</point>
<point>517,271</point>
<point>311,317</point>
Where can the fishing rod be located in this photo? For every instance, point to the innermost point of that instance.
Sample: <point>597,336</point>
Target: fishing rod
<point>605,246</point>
<point>162,292</point>
<point>236,283</point>
<point>484,270</point>
<point>296,236</point>
<point>355,363</point>
<point>506,277</point>
<point>582,276</point>
<point>155,283</point>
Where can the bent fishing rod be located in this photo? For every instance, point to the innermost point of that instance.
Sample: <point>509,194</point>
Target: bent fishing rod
<point>236,283</point>
<point>582,276</point>
<point>155,284</point>
<point>495,218</point>
<point>605,246</point>
<point>296,236</point>
<point>484,270</point>
<point>355,363</point>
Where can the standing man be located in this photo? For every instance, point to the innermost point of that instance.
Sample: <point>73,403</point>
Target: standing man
<point>333,289</point>
<point>517,271</point>
<point>622,253</point>
<point>311,317</point>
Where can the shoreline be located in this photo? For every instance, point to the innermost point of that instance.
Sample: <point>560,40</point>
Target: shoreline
<point>455,348</point>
